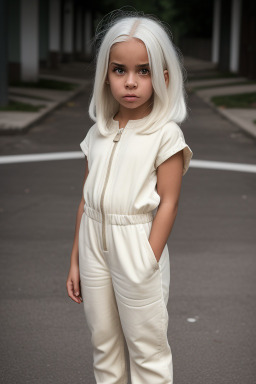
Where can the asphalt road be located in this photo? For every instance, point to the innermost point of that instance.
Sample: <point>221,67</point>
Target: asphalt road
<point>44,337</point>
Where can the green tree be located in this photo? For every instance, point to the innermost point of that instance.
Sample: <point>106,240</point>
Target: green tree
<point>191,18</point>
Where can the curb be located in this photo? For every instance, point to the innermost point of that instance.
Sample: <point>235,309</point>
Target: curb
<point>41,115</point>
<point>243,124</point>
<point>227,114</point>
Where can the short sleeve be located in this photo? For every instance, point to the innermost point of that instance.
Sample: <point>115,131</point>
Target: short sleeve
<point>172,142</point>
<point>85,144</point>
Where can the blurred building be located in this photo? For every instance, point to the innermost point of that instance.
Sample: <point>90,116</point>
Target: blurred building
<point>46,32</point>
<point>234,36</point>
<point>224,32</point>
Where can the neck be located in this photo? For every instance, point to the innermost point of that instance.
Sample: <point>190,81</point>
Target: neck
<point>123,116</point>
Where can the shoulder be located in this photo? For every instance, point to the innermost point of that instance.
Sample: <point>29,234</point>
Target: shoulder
<point>171,129</point>
<point>93,129</point>
<point>173,141</point>
<point>171,133</point>
<point>85,144</point>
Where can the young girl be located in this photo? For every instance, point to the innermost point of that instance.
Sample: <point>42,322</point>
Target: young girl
<point>136,156</point>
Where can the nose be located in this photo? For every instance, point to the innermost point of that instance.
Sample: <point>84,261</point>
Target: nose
<point>130,81</point>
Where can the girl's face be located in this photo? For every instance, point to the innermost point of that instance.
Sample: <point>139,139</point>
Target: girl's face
<point>129,77</point>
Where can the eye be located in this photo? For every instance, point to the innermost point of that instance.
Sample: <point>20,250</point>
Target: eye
<point>118,70</point>
<point>145,71</point>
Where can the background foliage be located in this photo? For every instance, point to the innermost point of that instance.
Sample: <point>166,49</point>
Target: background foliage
<point>186,18</point>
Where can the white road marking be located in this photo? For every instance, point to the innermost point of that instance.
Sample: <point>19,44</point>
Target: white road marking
<point>219,165</point>
<point>223,166</point>
<point>41,157</point>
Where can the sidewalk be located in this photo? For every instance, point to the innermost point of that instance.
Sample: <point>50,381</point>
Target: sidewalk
<point>242,117</point>
<point>12,122</point>
<point>82,74</point>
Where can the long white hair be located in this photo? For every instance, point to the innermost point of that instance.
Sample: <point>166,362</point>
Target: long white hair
<point>168,102</point>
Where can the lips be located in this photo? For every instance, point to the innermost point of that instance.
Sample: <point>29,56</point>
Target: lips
<point>130,97</point>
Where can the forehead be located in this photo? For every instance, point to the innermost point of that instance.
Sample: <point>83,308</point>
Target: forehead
<point>132,50</point>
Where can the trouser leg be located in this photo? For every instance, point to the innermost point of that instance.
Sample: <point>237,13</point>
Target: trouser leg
<point>100,307</point>
<point>141,287</point>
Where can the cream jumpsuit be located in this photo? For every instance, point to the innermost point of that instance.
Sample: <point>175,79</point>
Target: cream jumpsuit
<point>125,290</point>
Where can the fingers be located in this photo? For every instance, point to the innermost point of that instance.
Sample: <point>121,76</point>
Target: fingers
<point>77,290</point>
<point>74,291</point>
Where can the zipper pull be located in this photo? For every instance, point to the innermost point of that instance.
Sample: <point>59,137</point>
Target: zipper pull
<point>118,135</point>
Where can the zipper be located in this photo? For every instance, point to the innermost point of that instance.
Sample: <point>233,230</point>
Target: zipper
<point>115,140</point>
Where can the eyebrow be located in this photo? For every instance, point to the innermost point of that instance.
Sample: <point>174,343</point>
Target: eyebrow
<point>137,66</point>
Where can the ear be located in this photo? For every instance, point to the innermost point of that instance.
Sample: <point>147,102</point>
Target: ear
<point>166,77</point>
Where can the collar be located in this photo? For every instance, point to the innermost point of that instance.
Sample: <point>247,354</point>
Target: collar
<point>131,124</point>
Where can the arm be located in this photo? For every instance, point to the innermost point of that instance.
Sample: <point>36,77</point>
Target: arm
<point>73,279</point>
<point>169,179</point>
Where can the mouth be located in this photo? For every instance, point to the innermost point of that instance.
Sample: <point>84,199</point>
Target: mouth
<point>130,97</point>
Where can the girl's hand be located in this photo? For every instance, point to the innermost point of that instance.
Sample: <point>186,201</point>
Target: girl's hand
<point>73,284</point>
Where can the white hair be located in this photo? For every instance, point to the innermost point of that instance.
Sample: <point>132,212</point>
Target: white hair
<point>168,102</point>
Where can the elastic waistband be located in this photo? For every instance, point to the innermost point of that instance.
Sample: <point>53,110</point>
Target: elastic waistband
<point>113,218</point>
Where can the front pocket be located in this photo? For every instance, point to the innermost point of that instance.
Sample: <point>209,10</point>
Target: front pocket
<point>148,247</point>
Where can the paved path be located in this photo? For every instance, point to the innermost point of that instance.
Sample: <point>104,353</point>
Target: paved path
<point>15,122</point>
<point>200,76</point>
<point>216,82</point>
<point>233,90</point>
<point>243,117</point>
<point>18,122</point>
<point>44,338</point>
